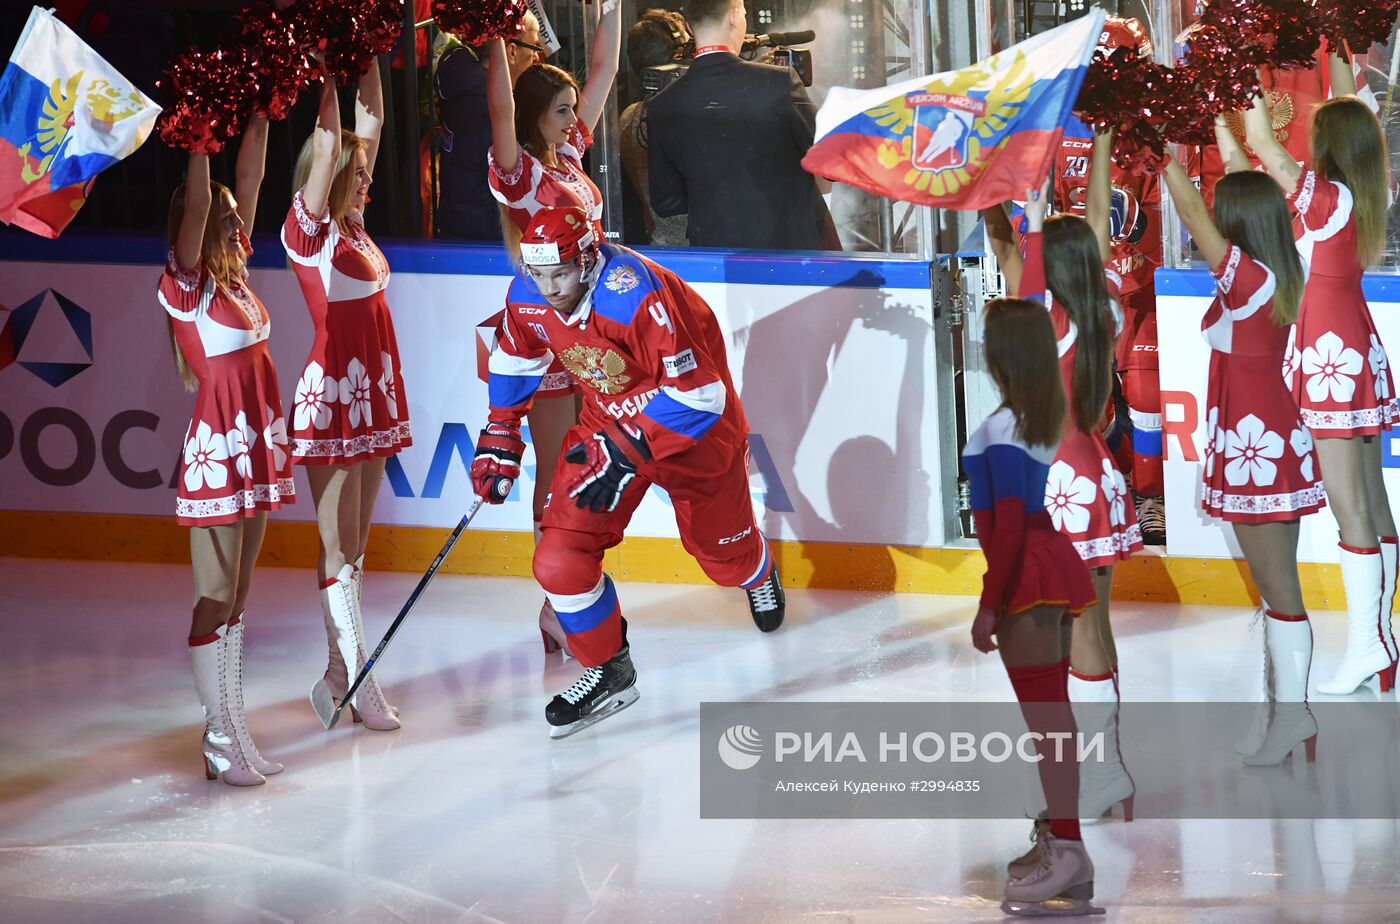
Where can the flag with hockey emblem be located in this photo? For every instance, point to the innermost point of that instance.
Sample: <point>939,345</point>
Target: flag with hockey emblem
<point>963,139</point>
<point>65,116</point>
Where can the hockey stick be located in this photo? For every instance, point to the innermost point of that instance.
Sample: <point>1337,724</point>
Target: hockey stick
<point>321,700</point>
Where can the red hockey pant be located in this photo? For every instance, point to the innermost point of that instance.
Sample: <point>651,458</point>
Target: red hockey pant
<point>717,527</point>
<point>1137,370</point>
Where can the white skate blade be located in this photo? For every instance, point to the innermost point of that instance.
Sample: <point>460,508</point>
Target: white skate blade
<point>616,703</point>
<point>1057,907</point>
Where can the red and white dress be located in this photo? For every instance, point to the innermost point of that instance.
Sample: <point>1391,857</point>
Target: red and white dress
<point>1085,493</point>
<point>350,404</point>
<point>534,185</point>
<point>1336,363</point>
<point>1259,460</point>
<point>235,460</point>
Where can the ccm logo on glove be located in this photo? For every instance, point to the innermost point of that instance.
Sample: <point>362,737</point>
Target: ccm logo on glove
<point>680,364</point>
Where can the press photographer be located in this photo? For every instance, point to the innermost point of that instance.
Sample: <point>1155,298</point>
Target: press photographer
<point>726,142</point>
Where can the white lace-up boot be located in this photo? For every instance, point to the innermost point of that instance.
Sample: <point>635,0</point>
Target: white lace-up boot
<point>233,638</point>
<point>226,744</point>
<point>342,604</point>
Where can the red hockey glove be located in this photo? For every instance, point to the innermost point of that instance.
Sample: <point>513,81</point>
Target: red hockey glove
<point>609,461</point>
<point>496,464</point>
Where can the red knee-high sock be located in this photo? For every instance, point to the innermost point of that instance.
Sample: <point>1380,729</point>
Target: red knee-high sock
<point>1044,696</point>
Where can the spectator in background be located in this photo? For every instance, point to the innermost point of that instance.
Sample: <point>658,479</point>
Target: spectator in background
<point>466,210</point>
<point>726,143</point>
<point>659,37</point>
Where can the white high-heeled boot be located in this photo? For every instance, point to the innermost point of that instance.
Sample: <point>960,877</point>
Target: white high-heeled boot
<point>343,605</point>
<point>1363,576</point>
<point>1390,563</point>
<point>1291,723</point>
<point>1102,785</point>
<point>360,579</point>
<point>233,638</point>
<point>225,744</point>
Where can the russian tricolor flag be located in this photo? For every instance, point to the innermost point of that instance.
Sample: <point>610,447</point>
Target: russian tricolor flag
<point>65,116</point>
<point>964,139</point>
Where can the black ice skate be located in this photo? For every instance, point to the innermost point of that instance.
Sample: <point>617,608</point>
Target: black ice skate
<point>767,603</point>
<point>599,693</point>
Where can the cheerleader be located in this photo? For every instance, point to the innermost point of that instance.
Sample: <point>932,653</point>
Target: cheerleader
<point>1260,472</point>
<point>1086,494</point>
<point>1035,583</point>
<point>236,466</point>
<point>351,413</point>
<point>1337,365</point>
<point>540,131</point>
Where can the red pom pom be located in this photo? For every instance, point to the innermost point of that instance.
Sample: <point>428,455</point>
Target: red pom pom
<point>1122,92</point>
<point>477,21</point>
<point>278,55</point>
<point>1357,24</point>
<point>1214,77</point>
<point>383,23</point>
<point>340,30</point>
<point>207,96</point>
<point>1281,34</point>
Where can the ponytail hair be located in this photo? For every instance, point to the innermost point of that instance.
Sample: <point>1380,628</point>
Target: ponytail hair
<point>1349,147</point>
<point>1022,360</point>
<point>1074,276</point>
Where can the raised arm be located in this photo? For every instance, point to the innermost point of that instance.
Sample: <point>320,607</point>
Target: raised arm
<point>1032,284</point>
<point>248,175</point>
<point>602,63</point>
<point>1003,241</point>
<point>189,242</point>
<point>325,151</point>
<point>1192,209</point>
<point>1099,201</point>
<point>1259,132</point>
<point>500,100</point>
<point>1231,154</point>
<point>1340,74</point>
<point>369,112</point>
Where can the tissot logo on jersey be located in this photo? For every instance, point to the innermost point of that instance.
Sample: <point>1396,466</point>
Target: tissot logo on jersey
<point>680,364</point>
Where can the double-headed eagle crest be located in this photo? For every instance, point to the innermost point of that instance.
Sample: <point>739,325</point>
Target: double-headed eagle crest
<point>104,103</point>
<point>982,100</point>
<point>593,366</point>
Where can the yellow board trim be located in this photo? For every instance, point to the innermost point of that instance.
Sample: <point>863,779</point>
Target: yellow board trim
<point>1150,576</point>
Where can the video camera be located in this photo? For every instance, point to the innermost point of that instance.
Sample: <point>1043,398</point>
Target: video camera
<point>659,77</point>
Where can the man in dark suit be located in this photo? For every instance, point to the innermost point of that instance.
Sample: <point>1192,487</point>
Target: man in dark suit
<point>726,145</point>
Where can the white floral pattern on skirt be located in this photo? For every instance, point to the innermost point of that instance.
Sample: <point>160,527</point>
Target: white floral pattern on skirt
<point>245,499</point>
<point>360,445</point>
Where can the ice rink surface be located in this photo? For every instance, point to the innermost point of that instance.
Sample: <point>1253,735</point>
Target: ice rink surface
<point>470,813</point>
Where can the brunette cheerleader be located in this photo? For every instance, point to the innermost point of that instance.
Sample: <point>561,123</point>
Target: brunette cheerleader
<point>1260,473</point>
<point>1086,494</point>
<point>540,130</point>
<point>1035,584</point>
<point>1337,365</point>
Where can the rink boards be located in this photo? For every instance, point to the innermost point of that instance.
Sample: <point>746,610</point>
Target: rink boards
<point>833,359</point>
<point>1182,299</point>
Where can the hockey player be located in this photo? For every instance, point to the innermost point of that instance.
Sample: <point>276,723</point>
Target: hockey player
<point>659,409</point>
<point>1136,240</point>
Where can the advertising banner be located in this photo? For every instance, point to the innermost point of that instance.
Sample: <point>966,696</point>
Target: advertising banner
<point>1182,299</point>
<point>832,360</point>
